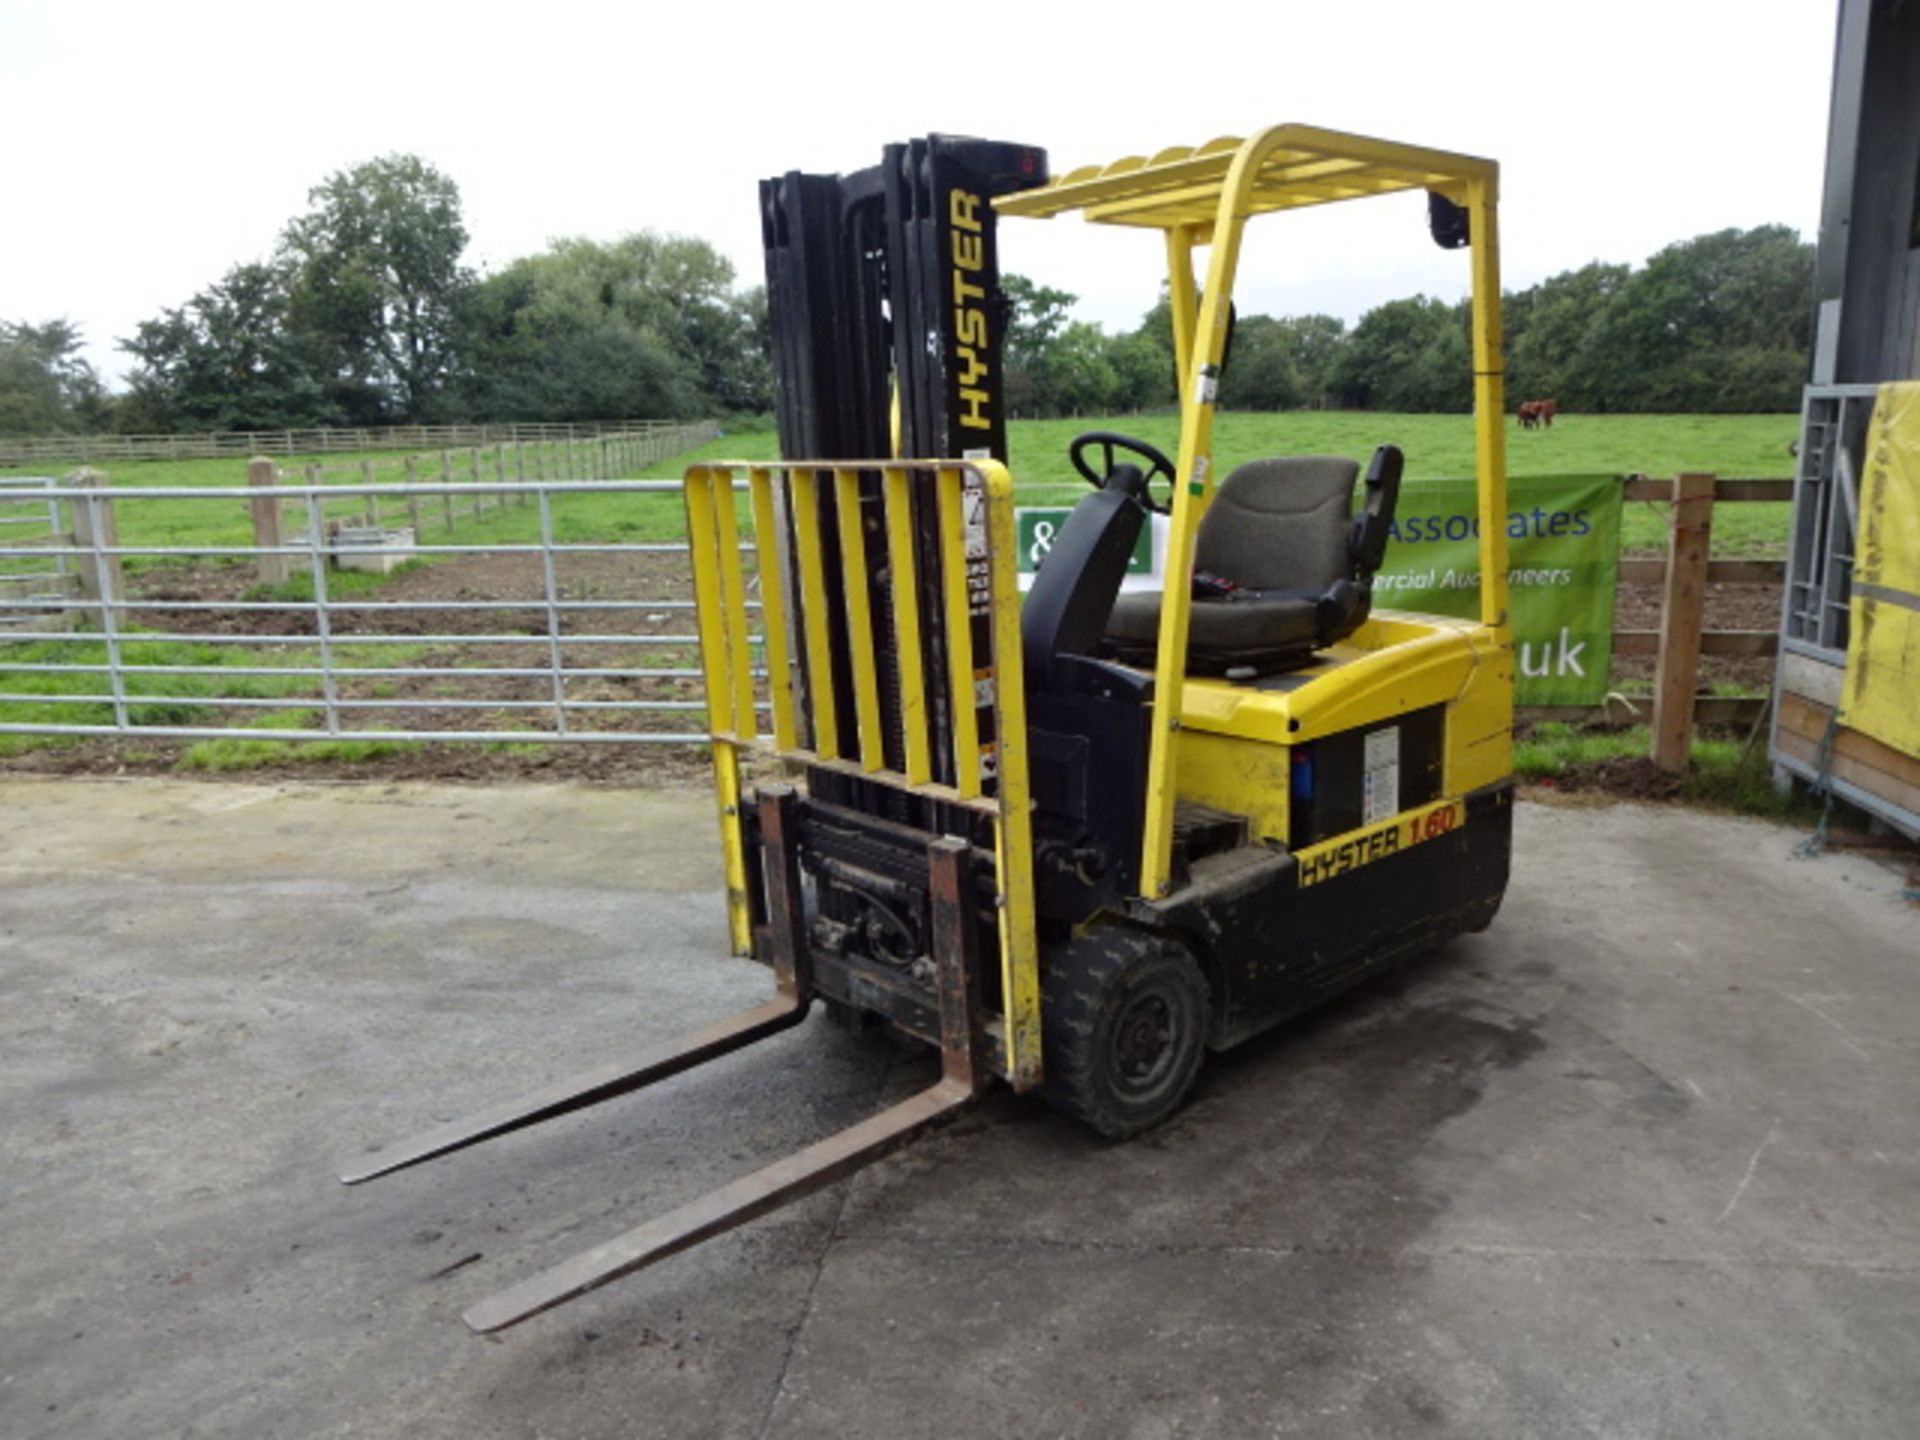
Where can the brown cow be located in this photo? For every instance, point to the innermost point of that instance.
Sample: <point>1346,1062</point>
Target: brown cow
<point>1537,412</point>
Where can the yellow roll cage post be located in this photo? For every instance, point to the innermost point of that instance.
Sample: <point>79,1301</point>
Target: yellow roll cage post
<point>1204,196</point>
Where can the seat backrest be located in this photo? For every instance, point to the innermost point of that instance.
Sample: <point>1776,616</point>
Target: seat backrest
<point>1281,524</point>
<point>1068,603</point>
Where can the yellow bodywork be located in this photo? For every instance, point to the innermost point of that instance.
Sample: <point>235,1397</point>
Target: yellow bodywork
<point>1234,739</point>
<point>974,503</point>
<point>1204,196</point>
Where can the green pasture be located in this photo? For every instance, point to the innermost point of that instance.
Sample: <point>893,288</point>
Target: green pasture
<point>216,523</point>
<point>1437,446</point>
<point>156,695</point>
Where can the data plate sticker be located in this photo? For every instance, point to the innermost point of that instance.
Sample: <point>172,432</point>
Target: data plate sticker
<point>1380,793</point>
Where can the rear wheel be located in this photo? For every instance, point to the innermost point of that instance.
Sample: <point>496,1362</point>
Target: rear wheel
<point>1123,1022</point>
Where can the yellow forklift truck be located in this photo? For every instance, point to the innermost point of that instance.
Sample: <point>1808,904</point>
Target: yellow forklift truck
<point>1075,843</point>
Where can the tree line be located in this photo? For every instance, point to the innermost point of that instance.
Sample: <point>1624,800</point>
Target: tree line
<point>364,314</point>
<point>1719,323</point>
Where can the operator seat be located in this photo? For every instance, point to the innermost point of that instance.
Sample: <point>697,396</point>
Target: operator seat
<point>1282,566</point>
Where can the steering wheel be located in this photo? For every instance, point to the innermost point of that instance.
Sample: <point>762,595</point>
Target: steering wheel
<point>1108,441</point>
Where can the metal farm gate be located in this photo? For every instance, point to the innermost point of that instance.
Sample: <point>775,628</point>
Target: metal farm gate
<point>35,570</point>
<point>502,612</point>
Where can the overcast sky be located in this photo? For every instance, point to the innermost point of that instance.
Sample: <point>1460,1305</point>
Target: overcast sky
<point>150,146</point>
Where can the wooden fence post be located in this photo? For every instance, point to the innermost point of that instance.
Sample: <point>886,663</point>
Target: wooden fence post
<point>1677,672</point>
<point>473,478</point>
<point>373,500</point>
<point>446,478</point>
<point>311,475</point>
<point>101,576</point>
<point>413,501</point>
<point>262,476</point>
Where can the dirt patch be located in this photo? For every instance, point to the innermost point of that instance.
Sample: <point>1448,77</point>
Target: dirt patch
<point>1624,777</point>
<point>432,599</point>
<point>465,763</point>
<point>633,618</point>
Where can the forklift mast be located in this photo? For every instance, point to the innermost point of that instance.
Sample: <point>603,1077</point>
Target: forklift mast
<point>889,324</point>
<point>885,284</point>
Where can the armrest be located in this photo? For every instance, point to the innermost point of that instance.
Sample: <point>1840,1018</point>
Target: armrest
<point>1368,544</point>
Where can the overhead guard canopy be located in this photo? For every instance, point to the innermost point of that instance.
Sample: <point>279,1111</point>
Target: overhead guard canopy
<point>1182,186</point>
<point>1205,196</point>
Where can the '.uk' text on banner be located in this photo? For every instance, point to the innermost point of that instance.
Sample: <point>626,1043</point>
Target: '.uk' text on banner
<point>1563,563</point>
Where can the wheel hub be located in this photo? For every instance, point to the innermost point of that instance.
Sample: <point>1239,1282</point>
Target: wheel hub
<point>1143,1040</point>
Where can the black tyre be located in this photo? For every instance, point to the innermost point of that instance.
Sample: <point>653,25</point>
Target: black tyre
<point>1123,1023</point>
<point>1484,913</point>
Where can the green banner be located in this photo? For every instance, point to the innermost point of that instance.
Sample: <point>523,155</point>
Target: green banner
<point>1563,561</point>
<point>1036,526</point>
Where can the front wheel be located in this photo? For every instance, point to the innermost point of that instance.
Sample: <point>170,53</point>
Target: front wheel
<point>1123,1019</point>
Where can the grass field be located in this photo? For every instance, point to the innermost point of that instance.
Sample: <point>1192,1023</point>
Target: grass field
<point>1438,446</point>
<point>188,523</point>
<point>158,697</point>
<point>1435,445</point>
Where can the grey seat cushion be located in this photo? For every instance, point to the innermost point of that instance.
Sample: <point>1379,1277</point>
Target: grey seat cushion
<point>1221,628</point>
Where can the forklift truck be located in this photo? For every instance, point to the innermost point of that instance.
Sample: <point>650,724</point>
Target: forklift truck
<point>1077,843</point>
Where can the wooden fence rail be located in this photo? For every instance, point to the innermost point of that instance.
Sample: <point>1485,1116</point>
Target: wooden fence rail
<point>1684,576</point>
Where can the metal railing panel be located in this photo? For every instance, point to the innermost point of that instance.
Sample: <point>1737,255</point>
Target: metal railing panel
<point>556,615</point>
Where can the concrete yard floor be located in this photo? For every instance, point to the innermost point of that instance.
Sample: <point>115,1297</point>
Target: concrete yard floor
<point>1642,1160</point>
